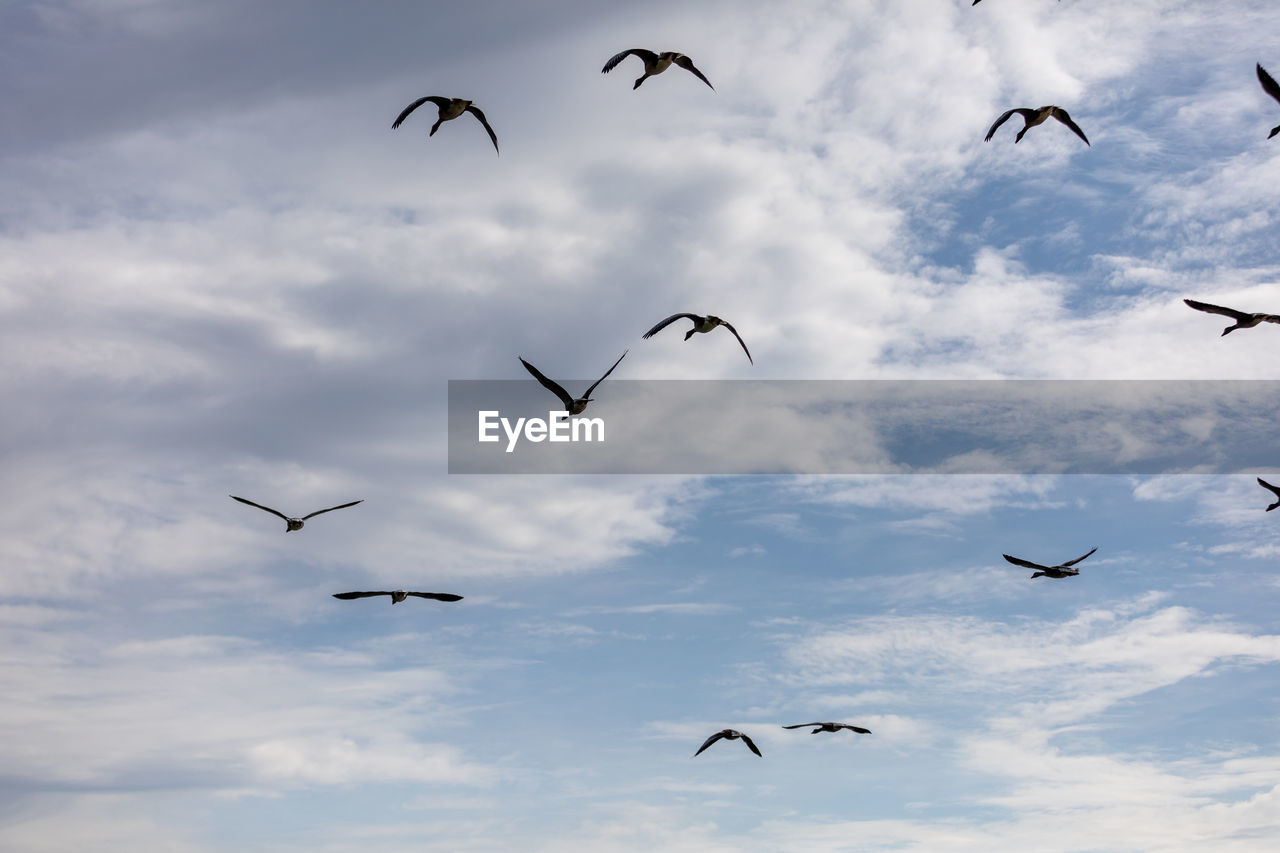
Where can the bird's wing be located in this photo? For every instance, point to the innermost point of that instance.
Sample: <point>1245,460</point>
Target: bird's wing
<point>606,373</point>
<point>658,328</point>
<point>260,506</point>
<point>715,737</point>
<point>347,596</point>
<point>1078,559</point>
<point>435,99</point>
<point>551,386</point>
<point>751,745</point>
<point>332,508</point>
<point>1061,115</point>
<point>1025,563</point>
<point>801,725</point>
<point>648,56</point>
<point>1002,120</point>
<point>1217,309</point>
<point>438,596</point>
<point>687,64</point>
<point>1268,82</point>
<point>859,729</point>
<point>739,337</point>
<point>1266,485</point>
<point>475,111</point>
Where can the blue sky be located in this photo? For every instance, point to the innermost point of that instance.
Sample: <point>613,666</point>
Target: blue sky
<point>222,273</point>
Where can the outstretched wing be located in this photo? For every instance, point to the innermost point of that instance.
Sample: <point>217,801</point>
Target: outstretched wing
<point>606,373</point>
<point>1078,559</point>
<point>739,337</point>
<point>347,596</point>
<point>992,132</point>
<point>1025,563</point>
<point>332,508</point>
<point>715,737</point>
<point>1266,485</point>
<point>1061,115</point>
<point>750,744</point>
<point>1268,82</point>
<point>435,99</point>
<point>551,386</point>
<point>648,56</point>
<point>667,322</point>
<point>687,64</point>
<point>260,506</point>
<point>801,725</point>
<point>438,596</point>
<point>475,111</point>
<point>1218,309</point>
<point>859,729</point>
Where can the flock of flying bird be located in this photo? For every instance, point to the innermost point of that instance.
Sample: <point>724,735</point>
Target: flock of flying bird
<point>656,63</point>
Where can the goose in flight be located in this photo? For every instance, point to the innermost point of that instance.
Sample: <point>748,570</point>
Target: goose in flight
<point>1274,490</point>
<point>1034,117</point>
<point>398,595</point>
<point>1243,320</point>
<point>1269,86</point>
<point>700,324</point>
<point>292,524</point>
<point>728,734</point>
<point>450,108</point>
<point>1062,571</point>
<point>572,406</point>
<point>655,63</point>
<point>830,727</point>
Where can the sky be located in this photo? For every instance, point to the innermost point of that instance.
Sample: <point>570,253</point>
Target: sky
<point>223,273</point>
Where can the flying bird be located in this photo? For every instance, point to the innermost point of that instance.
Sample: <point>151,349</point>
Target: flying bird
<point>1269,86</point>
<point>450,108</point>
<point>1274,490</point>
<point>700,324</point>
<point>292,524</point>
<point>398,595</point>
<point>655,63</point>
<point>728,734</point>
<point>1062,571</point>
<point>1243,319</point>
<point>830,727</point>
<point>1035,117</point>
<point>572,406</point>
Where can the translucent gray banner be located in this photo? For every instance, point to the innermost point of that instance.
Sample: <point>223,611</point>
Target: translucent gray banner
<point>867,427</point>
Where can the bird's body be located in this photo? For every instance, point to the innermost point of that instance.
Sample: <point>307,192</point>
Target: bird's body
<point>1274,490</point>
<point>1062,571</point>
<point>398,595</point>
<point>571,405</point>
<point>450,108</point>
<point>292,524</point>
<point>700,324</point>
<point>728,734</point>
<point>1244,320</point>
<point>655,63</point>
<point>830,727</point>
<point>1272,88</point>
<point>1035,117</point>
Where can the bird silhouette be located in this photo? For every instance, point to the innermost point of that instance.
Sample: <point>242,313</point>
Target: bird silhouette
<point>655,63</point>
<point>1062,571</point>
<point>728,734</point>
<point>572,406</point>
<point>1243,319</point>
<point>292,524</point>
<point>398,595</point>
<point>1035,117</point>
<point>700,324</point>
<point>450,108</point>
